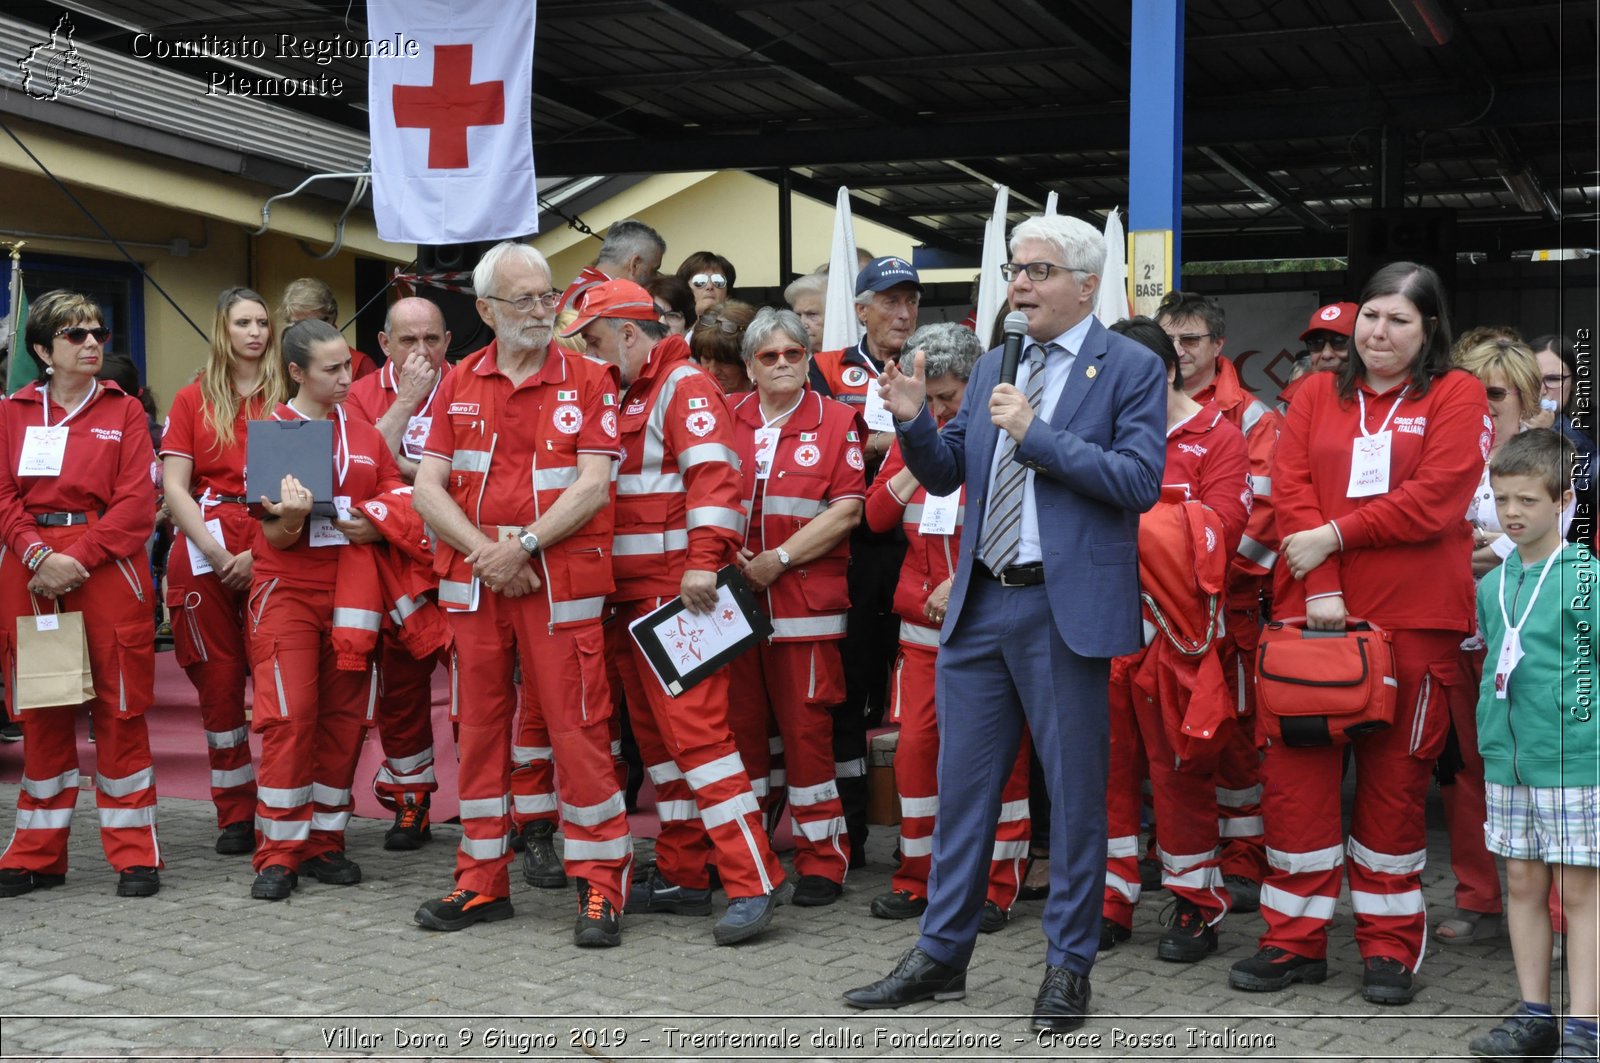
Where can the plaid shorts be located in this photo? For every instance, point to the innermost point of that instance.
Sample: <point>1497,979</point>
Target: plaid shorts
<point>1550,824</point>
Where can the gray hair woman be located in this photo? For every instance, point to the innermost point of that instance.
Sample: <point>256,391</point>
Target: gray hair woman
<point>808,298</point>
<point>949,353</point>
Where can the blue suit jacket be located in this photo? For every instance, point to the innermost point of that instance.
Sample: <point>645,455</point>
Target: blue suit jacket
<point>1097,465</point>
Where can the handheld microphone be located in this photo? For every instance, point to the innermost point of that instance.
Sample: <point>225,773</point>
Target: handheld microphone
<point>1016,330</point>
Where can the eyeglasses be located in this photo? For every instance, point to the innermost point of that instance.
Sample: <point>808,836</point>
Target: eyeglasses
<point>1190,340</point>
<point>1036,271</point>
<point>792,355</point>
<point>1338,343</point>
<point>708,321</point>
<point>708,280</point>
<point>1497,394</point>
<point>76,334</point>
<point>1556,380</point>
<point>672,317</point>
<point>523,303</point>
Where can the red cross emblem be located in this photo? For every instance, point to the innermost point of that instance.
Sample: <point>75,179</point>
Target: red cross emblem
<point>449,106</point>
<point>700,423</point>
<point>568,419</point>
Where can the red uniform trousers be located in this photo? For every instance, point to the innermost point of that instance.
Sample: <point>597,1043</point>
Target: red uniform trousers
<point>916,778</point>
<point>795,685</point>
<point>1186,839</point>
<point>405,725</point>
<point>1238,770</point>
<point>1388,838</point>
<point>703,796</point>
<point>1477,874</point>
<point>310,716</point>
<point>115,602</point>
<point>209,643</point>
<point>564,681</point>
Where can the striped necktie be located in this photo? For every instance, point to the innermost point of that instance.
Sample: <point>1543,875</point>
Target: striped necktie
<point>1002,528</point>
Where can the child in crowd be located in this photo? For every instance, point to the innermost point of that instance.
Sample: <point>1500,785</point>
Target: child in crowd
<point>1537,730</point>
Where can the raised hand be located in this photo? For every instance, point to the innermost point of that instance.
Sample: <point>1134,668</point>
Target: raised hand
<point>904,394</point>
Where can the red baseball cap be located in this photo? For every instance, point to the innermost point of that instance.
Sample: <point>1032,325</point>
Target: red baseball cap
<point>1335,317</point>
<point>618,298</point>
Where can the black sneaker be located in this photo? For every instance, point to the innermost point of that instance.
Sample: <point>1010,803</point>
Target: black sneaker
<point>899,904</point>
<point>138,882</point>
<point>1187,938</point>
<point>598,926</point>
<point>1272,969</point>
<point>237,839</point>
<point>748,916</point>
<point>410,828</point>
<point>15,881</point>
<point>1244,893</point>
<point>1385,980</point>
<point>274,883</point>
<point>461,909</point>
<point>332,868</point>
<point>541,866</point>
<point>1150,875</point>
<point>994,918</point>
<point>659,895</point>
<point>1520,1035</point>
<point>814,891</point>
<point>1112,932</point>
<point>10,731</point>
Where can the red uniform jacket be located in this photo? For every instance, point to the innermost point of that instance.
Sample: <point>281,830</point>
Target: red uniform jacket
<point>1406,561</point>
<point>817,462</point>
<point>371,396</point>
<point>930,559</point>
<point>1257,551</point>
<point>846,373</point>
<point>106,472</point>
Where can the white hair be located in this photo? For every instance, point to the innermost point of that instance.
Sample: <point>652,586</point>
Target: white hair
<point>810,284</point>
<point>1081,246</point>
<point>483,273</point>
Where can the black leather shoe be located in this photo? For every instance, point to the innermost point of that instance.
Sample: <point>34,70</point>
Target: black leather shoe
<point>1063,1001</point>
<point>917,976</point>
<point>1112,932</point>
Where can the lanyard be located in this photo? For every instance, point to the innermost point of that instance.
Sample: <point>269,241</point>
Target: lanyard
<point>1515,630</point>
<point>769,421</point>
<point>341,454</point>
<point>1362,399</point>
<point>44,392</point>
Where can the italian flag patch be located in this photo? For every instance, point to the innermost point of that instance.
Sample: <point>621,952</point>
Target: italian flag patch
<point>566,396</point>
<point>698,403</point>
<point>808,437</point>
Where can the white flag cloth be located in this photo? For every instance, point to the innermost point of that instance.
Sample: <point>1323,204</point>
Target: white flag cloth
<point>1050,203</point>
<point>992,286</point>
<point>452,127</point>
<point>840,328</point>
<point>1111,305</point>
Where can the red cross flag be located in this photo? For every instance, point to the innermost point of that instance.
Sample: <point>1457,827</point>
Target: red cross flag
<point>451,113</point>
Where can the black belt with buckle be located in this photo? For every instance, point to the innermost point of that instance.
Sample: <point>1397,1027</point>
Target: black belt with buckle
<point>1029,575</point>
<point>215,500</point>
<point>60,520</point>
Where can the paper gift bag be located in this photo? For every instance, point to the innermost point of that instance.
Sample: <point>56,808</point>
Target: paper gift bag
<point>52,661</point>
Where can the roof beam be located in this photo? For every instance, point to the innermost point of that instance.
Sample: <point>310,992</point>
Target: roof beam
<point>1263,185</point>
<point>824,192</point>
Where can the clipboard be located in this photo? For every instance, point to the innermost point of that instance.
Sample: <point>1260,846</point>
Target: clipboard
<point>302,449</point>
<point>683,647</point>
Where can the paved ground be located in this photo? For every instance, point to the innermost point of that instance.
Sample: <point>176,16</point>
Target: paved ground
<point>202,971</point>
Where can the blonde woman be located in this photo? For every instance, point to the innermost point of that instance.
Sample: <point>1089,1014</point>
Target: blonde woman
<point>310,297</point>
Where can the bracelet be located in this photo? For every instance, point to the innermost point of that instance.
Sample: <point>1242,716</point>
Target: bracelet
<point>34,556</point>
<point>296,533</point>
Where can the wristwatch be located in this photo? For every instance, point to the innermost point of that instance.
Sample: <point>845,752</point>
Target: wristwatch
<point>529,542</point>
<point>783,557</point>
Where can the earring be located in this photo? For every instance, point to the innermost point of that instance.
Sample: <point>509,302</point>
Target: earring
<point>49,370</point>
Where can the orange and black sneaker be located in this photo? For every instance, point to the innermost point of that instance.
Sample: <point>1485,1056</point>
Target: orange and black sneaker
<point>461,908</point>
<point>410,828</point>
<point>598,926</point>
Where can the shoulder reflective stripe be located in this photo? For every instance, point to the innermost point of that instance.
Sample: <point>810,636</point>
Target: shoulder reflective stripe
<point>734,808</point>
<point>554,479</point>
<point>1252,414</point>
<point>658,483</point>
<point>1387,863</point>
<point>1261,486</point>
<point>808,627</point>
<point>1257,553</point>
<point>638,544</point>
<point>578,609</point>
<point>279,797</point>
<point>654,453</point>
<point>594,815</point>
<point>612,849</point>
<point>918,635</point>
<point>486,807</point>
<point>470,460</point>
<point>360,619</point>
<point>483,848</point>
<point>128,784</point>
<point>284,830</point>
<point>1392,904</point>
<point>714,517</point>
<point>789,506</point>
<point>1298,863</point>
<point>919,807</point>
<point>701,453</point>
<point>455,592</point>
<point>44,789</point>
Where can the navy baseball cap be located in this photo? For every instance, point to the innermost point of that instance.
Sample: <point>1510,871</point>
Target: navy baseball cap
<point>881,274</point>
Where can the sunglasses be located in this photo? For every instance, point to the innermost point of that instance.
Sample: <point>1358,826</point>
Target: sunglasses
<point>76,334</point>
<point>792,355</point>
<point>1338,343</point>
<point>1497,394</point>
<point>707,321</point>
<point>1189,340</point>
<point>708,280</point>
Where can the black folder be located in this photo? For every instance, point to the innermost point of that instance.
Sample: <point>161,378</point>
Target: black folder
<point>302,449</point>
<point>675,664</point>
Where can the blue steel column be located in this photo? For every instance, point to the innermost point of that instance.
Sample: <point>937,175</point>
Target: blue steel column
<point>1155,121</point>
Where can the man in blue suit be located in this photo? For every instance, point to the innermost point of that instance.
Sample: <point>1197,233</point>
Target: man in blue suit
<point>1046,592</point>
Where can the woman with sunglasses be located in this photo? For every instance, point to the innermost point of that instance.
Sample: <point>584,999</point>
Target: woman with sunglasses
<point>715,344</point>
<point>804,488</point>
<point>209,569</point>
<point>75,511</point>
<point>710,276</point>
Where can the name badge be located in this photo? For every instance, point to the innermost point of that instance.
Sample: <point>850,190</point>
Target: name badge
<point>323,533</point>
<point>1510,654</point>
<point>1369,465</point>
<point>416,437</point>
<point>43,450</point>
<point>198,563</point>
<point>939,513</point>
<point>879,419</point>
<point>766,447</point>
